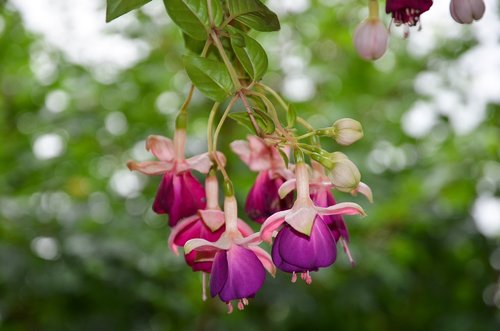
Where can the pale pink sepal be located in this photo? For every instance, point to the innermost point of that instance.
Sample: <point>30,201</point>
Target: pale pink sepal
<point>214,219</point>
<point>252,239</point>
<point>244,228</point>
<point>272,223</point>
<point>161,147</point>
<point>178,228</point>
<point>224,243</point>
<point>255,153</point>
<point>265,259</point>
<point>343,208</point>
<point>365,190</point>
<point>203,163</point>
<point>150,167</point>
<point>302,219</point>
<point>287,187</point>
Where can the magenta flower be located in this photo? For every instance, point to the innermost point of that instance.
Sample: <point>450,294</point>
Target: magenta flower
<point>263,199</point>
<point>206,224</point>
<point>238,270</point>
<point>304,243</point>
<point>179,194</point>
<point>407,11</point>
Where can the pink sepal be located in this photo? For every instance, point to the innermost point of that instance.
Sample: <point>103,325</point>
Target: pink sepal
<point>161,147</point>
<point>244,228</point>
<point>214,219</point>
<point>203,163</point>
<point>224,243</point>
<point>272,223</point>
<point>302,219</point>
<point>365,190</point>
<point>150,167</point>
<point>178,228</point>
<point>265,259</point>
<point>343,208</point>
<point>252,239</point>
<point>287,187</point>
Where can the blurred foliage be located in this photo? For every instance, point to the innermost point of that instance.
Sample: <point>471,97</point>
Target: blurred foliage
<point>76,255</point>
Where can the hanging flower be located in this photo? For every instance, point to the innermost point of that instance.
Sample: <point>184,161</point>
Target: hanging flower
<point>304,226</point>
<point>238,270</point>
<point>370,40</point>
<point>263,199</point>
<point>206,224</point>
<point>407,12</point>
<point>179,194</point>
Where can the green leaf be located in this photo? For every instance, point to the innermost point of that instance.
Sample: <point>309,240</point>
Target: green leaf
<point>193,45</point>
<point>291,116</point>
<point>190,15</point>
<point>243,119</point>
<point>217,12</point>
<point>116,8</point>
<point>254,14</point>
<point>209,76</point>
<point>264,121</point>
<point>251,55</point>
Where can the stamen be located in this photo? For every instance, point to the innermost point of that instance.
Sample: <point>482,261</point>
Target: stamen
<point>229,307</point>
<point>303,276</point>
<point>348,252</point>
<point>245,301</point>
<point>309,279</point>
<point>241,306</point>
<point>294,277</point>
<point>203,286</point>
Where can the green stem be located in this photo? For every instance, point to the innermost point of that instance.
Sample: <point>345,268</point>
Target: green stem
<point>270,108</point>
<point>373,9</point>
<point>210,141</point>
<point>225,59</point>
<point>274,94</point>
<point>250,113</point>
<point>222,120</point>
<point>306,135</point>
<point>304,123</point>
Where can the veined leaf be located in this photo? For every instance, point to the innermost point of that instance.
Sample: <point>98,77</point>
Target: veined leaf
<point>209,76</point>
<point>291,116</point>
<point>243,119</point>
<point>251,55</point>
<point>116,8</point>
<point>254,14</point>
<point>190,15</point>
<point>193,45</point>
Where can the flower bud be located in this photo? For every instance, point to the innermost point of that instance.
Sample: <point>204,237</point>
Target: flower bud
<point>466,11</point>
<point>370,39</point>
<point>347,131</point>
<point>344,174</point>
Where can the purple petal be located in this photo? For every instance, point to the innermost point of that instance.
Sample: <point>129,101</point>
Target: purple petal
<point>309,253</point>
<point>263,200</point>
<point>278,261</point>
<point>219,273</point>
<point>179,195</point>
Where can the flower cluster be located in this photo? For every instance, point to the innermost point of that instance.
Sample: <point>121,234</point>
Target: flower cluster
<point>371,37</point>
<point>306,226</point>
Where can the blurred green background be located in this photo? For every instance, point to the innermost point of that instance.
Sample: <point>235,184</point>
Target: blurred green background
<point>80,248</point>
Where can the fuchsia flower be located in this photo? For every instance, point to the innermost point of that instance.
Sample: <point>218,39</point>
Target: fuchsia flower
<point>407,11</point>
<point>206,224</point>
<point>263,199</point>
<point>239,265</point>
<point>304,242</point>
<point>371,39</point>
<point>179,194</point>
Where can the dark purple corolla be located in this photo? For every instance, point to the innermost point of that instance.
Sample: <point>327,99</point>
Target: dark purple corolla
<point>263,199</point>
<point>294,251</point>
<point>407,11</point>
<point>237,274</point>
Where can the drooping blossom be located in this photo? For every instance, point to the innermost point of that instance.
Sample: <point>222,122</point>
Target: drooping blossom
<point>371,38</point>
<point>407,12</point>
<point>239,264</point>
<point>304,242</point>
<point>263,199</point>
<point>180,194</point>
<point>466,11</point>
<point>206,224</point>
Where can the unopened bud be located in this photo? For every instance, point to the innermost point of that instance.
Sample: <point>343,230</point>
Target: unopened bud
<point>347,131</point>
<point>370,39</point>
<point>466,11</point>
<point>344,174</point>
